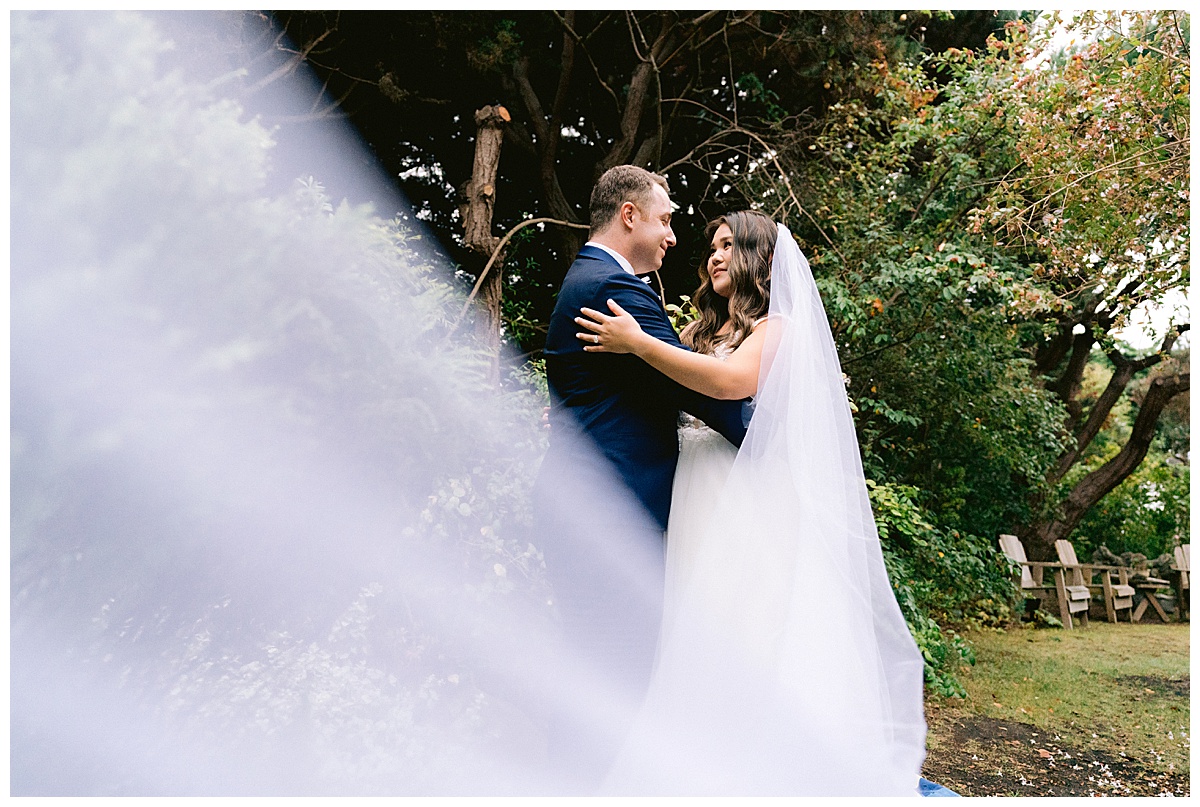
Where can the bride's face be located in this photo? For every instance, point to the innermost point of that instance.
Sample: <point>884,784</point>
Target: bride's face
<point>719,256</point>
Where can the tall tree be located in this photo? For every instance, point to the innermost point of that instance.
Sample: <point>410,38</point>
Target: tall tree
<point>1097,204</point>
<point>672,90</point>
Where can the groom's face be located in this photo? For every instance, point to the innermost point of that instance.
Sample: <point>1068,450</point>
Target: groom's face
<point>651,235</point>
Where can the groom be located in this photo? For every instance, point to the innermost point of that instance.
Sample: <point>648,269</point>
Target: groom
<point>604,489</point>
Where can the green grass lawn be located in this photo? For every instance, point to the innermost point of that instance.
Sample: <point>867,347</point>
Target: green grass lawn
<point>1119,688</point>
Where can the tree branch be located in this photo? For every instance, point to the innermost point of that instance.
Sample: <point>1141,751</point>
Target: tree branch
<point>555,199</point>
<point>503,242</point>
<point>639,92</point>
<point>533,104</point>
<point>1120,379</point>
<point>769,153</point>
<point>564,76</point>
<point>291,64</point>
<point>549,133</point>
<point>569,27</point>
<point>1069,384</point>
<point>1111,167</point>
<point>1096,485</point>
<point>904,340</point>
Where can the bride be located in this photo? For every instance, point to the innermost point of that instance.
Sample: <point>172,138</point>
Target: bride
<point>784,665</point>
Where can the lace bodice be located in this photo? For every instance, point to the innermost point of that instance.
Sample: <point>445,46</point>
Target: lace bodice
<point>691,428</point>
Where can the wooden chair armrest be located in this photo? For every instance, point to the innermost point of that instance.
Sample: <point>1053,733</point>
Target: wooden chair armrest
<point>1089,568</point>
<point>1100,567</point>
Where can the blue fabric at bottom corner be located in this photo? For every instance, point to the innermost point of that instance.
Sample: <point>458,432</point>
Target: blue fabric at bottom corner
<point>928,788</point>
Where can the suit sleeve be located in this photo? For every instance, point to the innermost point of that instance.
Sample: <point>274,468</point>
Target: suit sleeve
<point>726,417</point>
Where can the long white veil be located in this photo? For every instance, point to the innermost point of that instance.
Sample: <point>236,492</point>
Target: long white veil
<point>790,669</point>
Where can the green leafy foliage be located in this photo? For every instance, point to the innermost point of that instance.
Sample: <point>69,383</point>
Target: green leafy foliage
<point>923,313</point>
<point>1099,192</point>
<point>501,48</point>
<point>681,313</point>
<point>939,576</point>
<point>756,94</point>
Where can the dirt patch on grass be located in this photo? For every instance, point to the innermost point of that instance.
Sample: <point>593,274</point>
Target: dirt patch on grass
<point>975,755</point>
<point>1091,712</point>
<point>1156,685</point>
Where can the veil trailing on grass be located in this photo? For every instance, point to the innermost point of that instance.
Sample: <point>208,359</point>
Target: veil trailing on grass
<point>790,669</point>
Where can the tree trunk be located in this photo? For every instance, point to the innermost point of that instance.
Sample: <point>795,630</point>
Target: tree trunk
<point>548,129</point>
<point>641,95</point>
<point>1124,369</point>
<point>1121,377</point>
<point>480,202</point>
<point>1096,485</point>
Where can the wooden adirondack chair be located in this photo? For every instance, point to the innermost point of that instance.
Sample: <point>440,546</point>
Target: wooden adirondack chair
<point>1118,596</point>
<point>1078,584</point>
<point>1180,571</point>
<point>1033,576</point>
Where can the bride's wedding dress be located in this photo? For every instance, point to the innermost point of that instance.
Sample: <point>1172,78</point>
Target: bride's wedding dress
<point>705,459</point>
<point>785,666</point>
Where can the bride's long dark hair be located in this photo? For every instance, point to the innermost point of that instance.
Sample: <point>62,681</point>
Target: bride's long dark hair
<point>754,235</point>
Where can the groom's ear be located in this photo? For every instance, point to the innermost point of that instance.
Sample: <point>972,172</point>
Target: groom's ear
<point>626,214</point>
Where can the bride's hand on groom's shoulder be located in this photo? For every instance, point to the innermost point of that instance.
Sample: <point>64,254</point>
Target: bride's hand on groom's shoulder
<point>619,333</point>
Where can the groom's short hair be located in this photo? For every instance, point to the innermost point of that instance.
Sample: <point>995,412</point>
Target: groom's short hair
<point>616,186</point>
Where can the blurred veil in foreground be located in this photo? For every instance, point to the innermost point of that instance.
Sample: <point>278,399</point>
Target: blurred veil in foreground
<point>270,527</point>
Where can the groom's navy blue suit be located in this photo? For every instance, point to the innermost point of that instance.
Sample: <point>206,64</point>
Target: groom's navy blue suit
<point>603,495</point>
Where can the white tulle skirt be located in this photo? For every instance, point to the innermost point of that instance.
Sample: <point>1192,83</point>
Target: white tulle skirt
<point>760,685</point>
<point>705,459</point>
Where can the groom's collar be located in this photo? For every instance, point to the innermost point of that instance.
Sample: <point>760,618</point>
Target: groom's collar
<point>616,256</point>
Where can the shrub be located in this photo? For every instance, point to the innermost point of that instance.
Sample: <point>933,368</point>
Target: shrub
<point>939,576</point>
